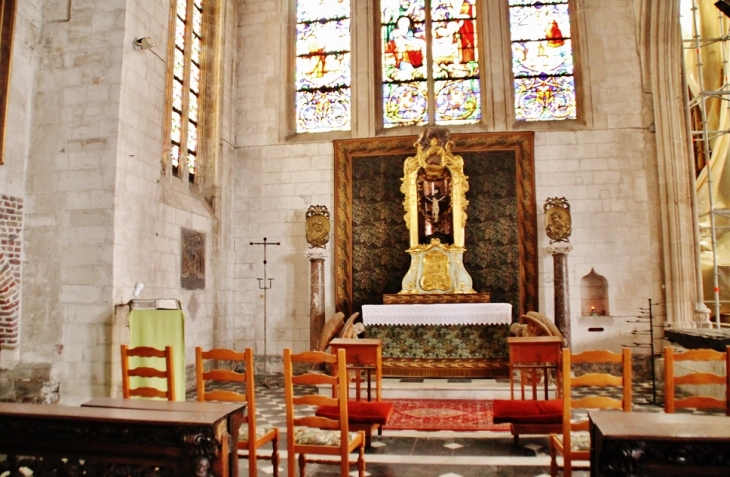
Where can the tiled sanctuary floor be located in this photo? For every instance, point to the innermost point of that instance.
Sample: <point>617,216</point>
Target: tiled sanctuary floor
<point>430,454</point>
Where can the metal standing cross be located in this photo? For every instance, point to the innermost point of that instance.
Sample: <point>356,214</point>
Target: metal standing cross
<point>263,285</point>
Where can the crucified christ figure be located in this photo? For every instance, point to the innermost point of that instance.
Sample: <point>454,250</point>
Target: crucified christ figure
<point>435,207</point>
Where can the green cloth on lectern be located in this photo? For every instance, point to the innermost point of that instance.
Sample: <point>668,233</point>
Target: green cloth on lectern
<point>159,328</point>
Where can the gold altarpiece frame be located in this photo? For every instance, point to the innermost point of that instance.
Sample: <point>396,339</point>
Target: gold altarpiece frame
<point>434,188</point>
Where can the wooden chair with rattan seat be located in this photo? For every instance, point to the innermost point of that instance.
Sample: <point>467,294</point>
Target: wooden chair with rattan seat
<point>251,437</point>
<point>146,371</point>
<point>574,442</point>
<point>307,434</point>
<point>704,377</point>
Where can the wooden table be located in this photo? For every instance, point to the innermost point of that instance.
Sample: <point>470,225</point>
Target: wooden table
<point>363,355</point>
<point>659,444</point>
<point>62,440</point>
<point>234,419</point>
<point>533,354</point>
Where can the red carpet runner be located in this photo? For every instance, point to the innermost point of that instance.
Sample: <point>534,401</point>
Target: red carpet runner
<point>443,415</point>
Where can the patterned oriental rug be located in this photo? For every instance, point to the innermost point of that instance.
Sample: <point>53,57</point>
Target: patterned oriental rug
<point>443,415</point>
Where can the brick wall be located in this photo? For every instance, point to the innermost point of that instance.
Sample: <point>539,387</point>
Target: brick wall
<point>11,224</point>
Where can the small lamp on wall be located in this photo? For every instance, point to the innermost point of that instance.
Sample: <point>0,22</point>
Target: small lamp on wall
<point>144,43</point>
<point>138,287</point>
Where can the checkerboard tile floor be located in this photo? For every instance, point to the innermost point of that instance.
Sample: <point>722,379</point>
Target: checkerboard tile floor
<point>270,409</point>
<point>437,454</point>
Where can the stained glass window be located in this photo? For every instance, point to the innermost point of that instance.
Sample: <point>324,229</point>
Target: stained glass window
<point>430,62</point>
<point>542,60</point>
<point>323,75</point>
<point>186,87</point>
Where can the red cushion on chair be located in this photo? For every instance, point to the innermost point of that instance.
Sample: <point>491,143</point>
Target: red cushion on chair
<point>360,412</point>
<point>515,411</point>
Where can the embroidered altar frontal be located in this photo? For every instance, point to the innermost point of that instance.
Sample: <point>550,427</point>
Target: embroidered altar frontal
<point>443,351</point>
<point>456,339</point>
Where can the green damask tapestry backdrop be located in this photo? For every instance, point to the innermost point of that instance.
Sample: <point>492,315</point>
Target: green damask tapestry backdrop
<point>371,237</point>
<point>380,236</point>
<point>379,233</point>
<point>491,238</point>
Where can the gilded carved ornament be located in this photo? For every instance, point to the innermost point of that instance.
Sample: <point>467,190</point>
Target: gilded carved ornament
<point>558,225</point>
<point>435,272</point>
<point>317,226</point>
<point>434,188</point>
<point>434,162</point>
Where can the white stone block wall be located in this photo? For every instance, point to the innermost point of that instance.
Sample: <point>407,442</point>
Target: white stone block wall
<point>68,255</point>
<point>152,209</point>
<point>19,106</point>
<point>276,210</point>
<point>614,230</point>
<point>99,215</point>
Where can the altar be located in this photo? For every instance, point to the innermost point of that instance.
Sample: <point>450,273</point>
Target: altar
<point>440,340</point>
<point>443,314</point>
<point>437,227</point>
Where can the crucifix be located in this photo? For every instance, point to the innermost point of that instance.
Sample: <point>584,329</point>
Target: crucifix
<point>264,285</point>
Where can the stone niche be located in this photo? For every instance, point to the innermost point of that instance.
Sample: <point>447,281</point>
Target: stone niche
<point>594,295</point>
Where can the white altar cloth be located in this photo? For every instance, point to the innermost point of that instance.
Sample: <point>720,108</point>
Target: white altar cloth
<point>438,314</point>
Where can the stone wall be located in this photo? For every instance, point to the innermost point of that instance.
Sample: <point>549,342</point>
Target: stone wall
<point>84,160</point>
<point>30,384</point>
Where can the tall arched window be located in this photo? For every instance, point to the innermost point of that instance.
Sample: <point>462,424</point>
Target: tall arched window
<point>323,76</point>
<point>429,61</point>
<point>185,86</point>
<point>542,60</point>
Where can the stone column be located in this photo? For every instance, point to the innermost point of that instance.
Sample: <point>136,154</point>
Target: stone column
<point>559,252</point>
<point>661,63</point>
<point>316,295</point>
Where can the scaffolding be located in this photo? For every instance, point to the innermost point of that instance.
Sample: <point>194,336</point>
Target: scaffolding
<point>706,69</point>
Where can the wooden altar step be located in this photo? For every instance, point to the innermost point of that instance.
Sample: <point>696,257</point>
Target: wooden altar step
<point>494,368</point>
<point>441,388</point>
